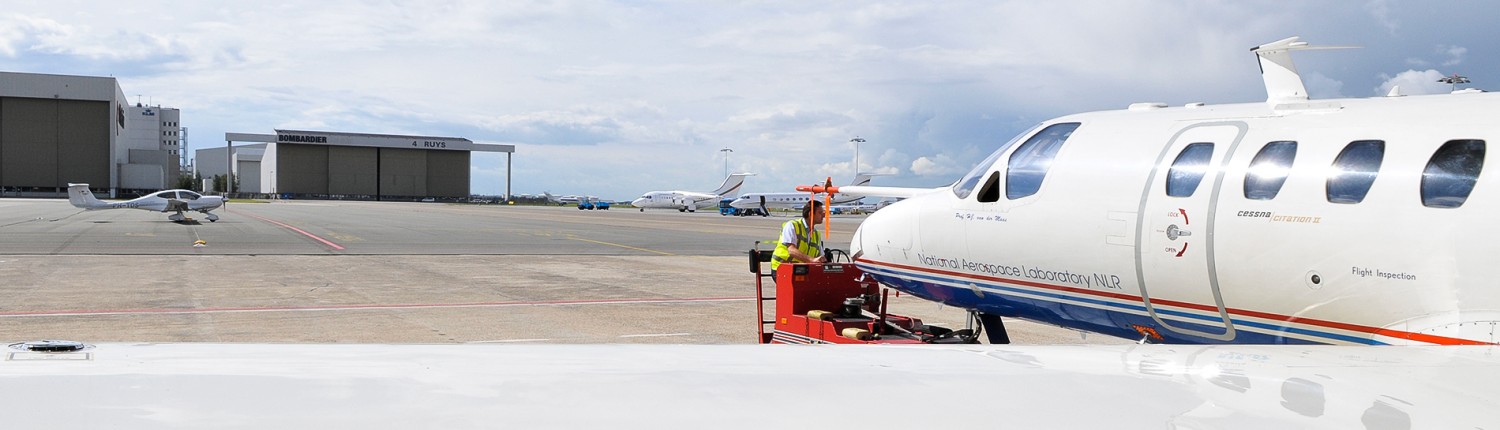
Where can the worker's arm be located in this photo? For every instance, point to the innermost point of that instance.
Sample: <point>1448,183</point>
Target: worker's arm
<point>798,256</point>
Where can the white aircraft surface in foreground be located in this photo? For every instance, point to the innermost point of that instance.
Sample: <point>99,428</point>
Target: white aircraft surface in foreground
<point>303,386</point>
<point>691,201</point>
<point>1280,223</point>
<point>175,200</point>
<point>793,201</point>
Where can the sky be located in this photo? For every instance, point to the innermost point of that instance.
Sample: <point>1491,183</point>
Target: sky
<point>614,99</point>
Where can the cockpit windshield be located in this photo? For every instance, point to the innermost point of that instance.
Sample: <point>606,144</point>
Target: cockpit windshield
<point>966,185</point>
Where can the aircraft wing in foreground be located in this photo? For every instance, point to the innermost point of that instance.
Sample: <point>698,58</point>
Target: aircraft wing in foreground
<point>141,386</point>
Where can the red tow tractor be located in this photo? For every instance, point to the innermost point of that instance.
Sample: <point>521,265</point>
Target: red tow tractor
<point>834,302</point>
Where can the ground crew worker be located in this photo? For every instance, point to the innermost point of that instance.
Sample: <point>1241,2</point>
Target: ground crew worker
<point>800,241</point>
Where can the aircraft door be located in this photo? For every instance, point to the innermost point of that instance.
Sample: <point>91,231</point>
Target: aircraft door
<point>1174,241</point>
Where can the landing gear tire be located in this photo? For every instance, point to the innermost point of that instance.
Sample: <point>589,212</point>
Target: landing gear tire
<point>212,217</point>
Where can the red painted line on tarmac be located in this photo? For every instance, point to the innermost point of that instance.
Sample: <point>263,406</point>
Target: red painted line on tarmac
<point>335,246</point>
<point>92,312</point>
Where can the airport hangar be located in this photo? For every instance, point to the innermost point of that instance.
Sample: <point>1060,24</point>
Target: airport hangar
<point>355,166</point>
<point>60,129</point>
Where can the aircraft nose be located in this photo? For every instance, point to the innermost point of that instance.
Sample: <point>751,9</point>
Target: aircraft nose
<point>637,202</point>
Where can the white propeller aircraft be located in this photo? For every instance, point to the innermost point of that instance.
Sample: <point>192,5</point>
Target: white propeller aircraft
<point>175,200</point>
<point>793,201</point>
<point>691,201</point>
<point>1293,221</point>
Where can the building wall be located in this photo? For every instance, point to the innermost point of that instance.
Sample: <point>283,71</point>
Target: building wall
<point>301,169</point>
<point>351,170</point>
<point>448,173</point>
<point>141,176</point>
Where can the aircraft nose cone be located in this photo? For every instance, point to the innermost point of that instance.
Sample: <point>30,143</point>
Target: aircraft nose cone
<point>637,202</point>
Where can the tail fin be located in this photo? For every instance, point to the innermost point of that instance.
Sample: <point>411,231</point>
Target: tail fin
<point>732,183</point>
<point>80,196</point>
<point>862,179</point>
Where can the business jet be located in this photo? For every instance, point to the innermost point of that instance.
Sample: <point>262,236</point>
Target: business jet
<point>691,201</point>
<point>793,201</point>
<point>175,200</point>
<point>1294,221</point>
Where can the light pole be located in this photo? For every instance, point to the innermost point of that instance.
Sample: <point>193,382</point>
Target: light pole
<point>726,152</point>
<point>856,141</point>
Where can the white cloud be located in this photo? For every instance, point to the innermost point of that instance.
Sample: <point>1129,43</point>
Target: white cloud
<point>938,165</point>
<point>1455,54</point>
<point>1414,82</point>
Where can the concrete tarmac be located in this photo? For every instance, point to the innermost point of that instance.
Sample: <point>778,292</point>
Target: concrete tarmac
<point>396,272</point>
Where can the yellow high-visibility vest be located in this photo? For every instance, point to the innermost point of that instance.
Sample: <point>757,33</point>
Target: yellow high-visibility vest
<point>808,241</point>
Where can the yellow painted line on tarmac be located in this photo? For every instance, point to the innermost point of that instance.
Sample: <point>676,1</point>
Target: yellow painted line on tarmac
<point>622,246</point>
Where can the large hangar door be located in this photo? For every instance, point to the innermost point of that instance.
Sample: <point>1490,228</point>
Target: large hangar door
<point>448,173</point>
<point>403,172</point>
<point>303,169</point>
<point>83,145</point>
<point>29,152</point>
<point>351,171</point>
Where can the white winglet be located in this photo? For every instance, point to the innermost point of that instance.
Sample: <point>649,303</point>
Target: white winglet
<point>1283,84</point>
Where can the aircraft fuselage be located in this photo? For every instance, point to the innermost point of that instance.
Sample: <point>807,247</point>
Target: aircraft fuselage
<point>1353,221</point>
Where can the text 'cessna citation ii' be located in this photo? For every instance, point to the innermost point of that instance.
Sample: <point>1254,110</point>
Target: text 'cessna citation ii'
<point>178,201</point>
<point>1294,221</point>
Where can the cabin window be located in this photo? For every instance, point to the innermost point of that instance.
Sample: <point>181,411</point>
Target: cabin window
<point>1354,171</point>
<point>964,186</point>
<point>167,195</point>
<point>1189,168</point>
<point>1451,173</point>
<point>1028,166</point>
<point>1269,169</point>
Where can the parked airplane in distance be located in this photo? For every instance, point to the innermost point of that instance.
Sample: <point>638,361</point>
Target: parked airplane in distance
<point>793,201</point>
<point>175,200</point>
<point>1347,221</point>
<point>691,201</point>
<point>565,200</point>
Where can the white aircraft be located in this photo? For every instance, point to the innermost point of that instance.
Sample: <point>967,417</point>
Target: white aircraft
<point>175,200</point>
<point>691,201</point>
<point>1350,221</point>
<point>793,201</point>
<point>564,200</point>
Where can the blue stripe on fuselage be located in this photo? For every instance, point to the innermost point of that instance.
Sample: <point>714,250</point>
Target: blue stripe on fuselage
<point>1097,315</point>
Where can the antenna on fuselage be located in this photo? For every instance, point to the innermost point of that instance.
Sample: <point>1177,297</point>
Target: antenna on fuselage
<point>1453,81</point>
<point>1283,84</point>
